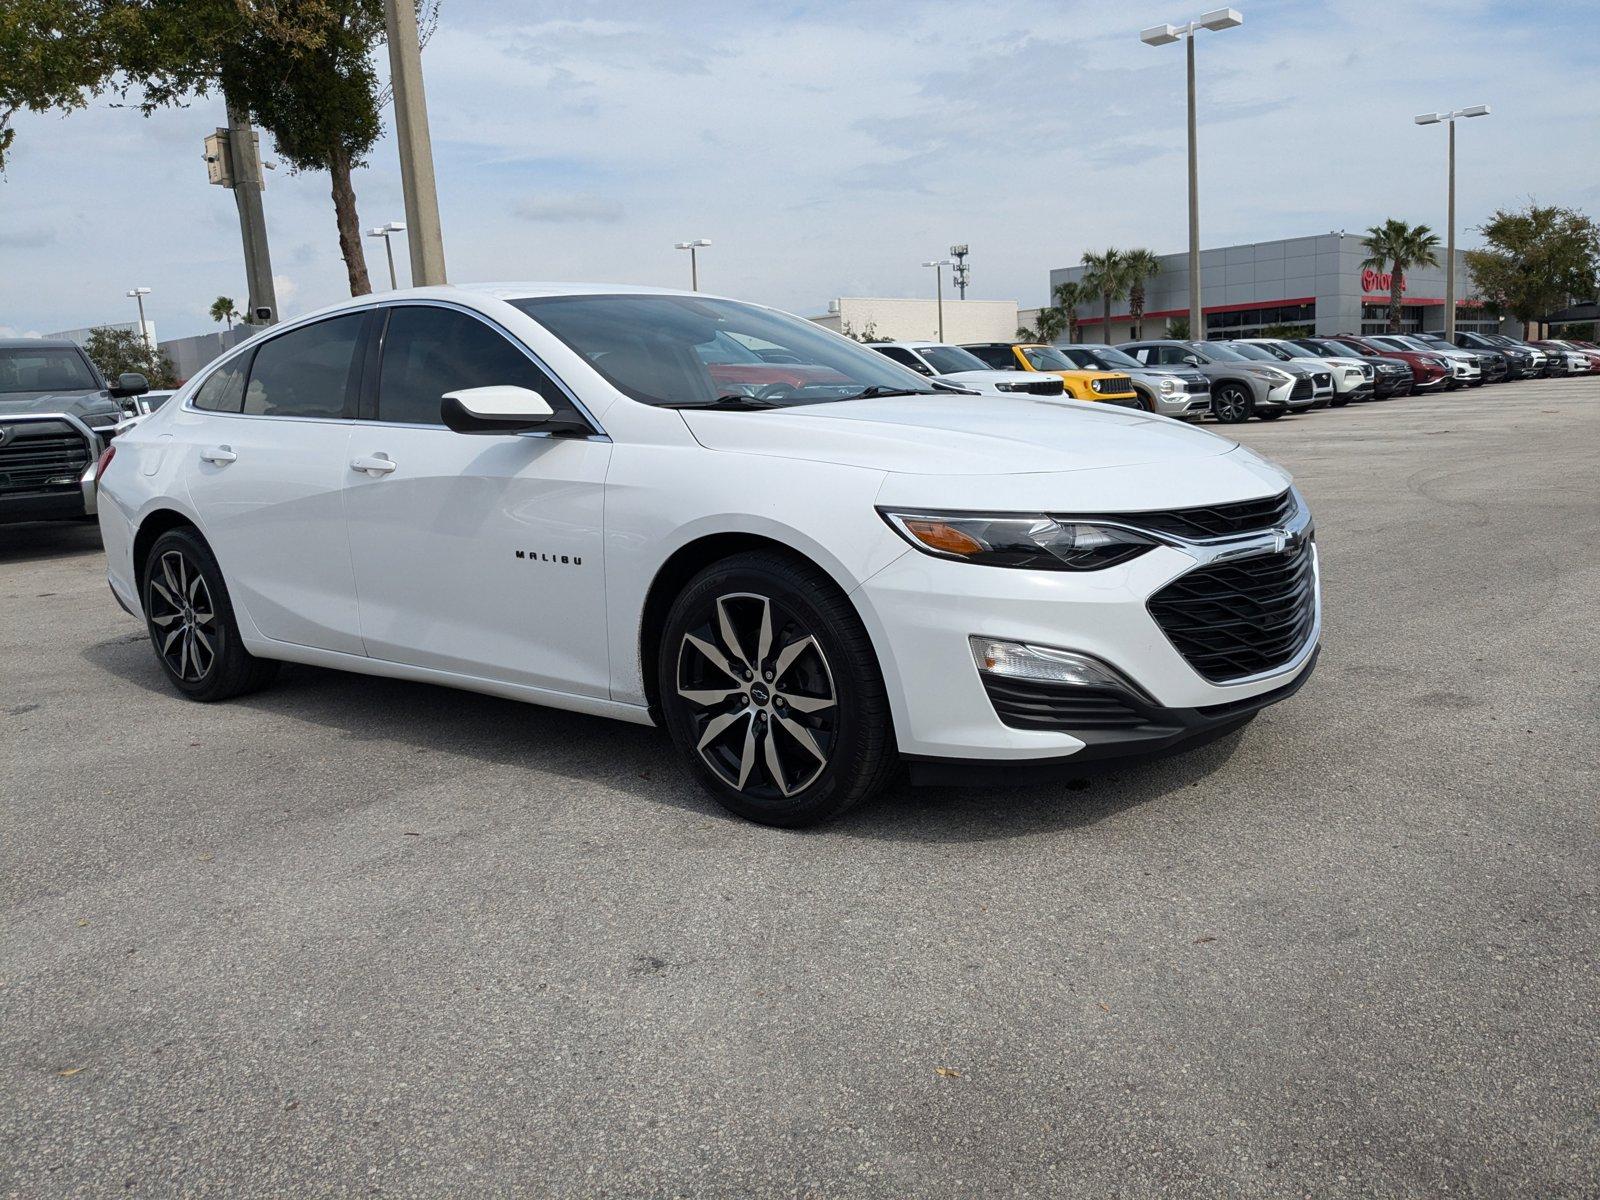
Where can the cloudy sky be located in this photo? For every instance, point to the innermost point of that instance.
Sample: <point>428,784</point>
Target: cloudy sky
<point>829,148</point>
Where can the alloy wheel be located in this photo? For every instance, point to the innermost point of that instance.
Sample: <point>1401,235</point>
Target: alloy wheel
<point>183,617</point>
<point>761,694</point>
<point>1231,403</point>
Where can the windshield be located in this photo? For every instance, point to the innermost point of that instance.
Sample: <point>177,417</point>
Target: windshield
<point>47,369</point>
<point>1245,350</point>
<point>1412,343</point>
<point>947,360</point>
<point>1217,352</point>
<point>685,350</point>
<point>1109,358</point>
<point>1290,350</point>
<point>1048,358</point>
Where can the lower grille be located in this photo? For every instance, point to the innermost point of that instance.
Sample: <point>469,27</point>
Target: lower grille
<point>1240,618</point>
<point>1212,521</point>
<point>1031,704</point>
<point>39,451</point>
<point>1304,389</point>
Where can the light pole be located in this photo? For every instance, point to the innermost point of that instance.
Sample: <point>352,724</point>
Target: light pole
<point>384,231</point>
<point>1477,110</point>
<point>938,266</point>
<point>694,263</point>
<point>1161,35</point>
<point>139,293</point>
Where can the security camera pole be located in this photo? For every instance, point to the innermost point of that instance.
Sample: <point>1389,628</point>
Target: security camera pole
<point>1477,110</point>
<point>1161,35</point>
<point>385,231</point>
<point>426,241</point>
<point>232,161</point>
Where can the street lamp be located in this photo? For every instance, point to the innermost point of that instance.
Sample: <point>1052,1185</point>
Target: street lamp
<point>1477,110</point>
<point>694,263</point>
<point>1161,35</point>
<point>384,231</point>
<point>938,266</point>
<point>139,293</point>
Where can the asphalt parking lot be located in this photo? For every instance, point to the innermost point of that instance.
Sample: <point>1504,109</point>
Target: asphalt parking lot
<point>360,936</point>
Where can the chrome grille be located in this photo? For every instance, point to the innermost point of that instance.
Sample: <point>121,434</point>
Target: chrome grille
<point>37,451</point>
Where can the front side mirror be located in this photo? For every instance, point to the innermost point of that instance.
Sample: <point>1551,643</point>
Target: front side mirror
<point>130,383</point>
<point>1192,360</point>
<point>502,408</point>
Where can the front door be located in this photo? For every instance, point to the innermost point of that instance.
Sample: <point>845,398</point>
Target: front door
<point>266,460</point>
<point>474,554</point>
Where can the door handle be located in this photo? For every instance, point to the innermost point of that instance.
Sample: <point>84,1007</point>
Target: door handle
<point>377,464</point>
<point>221,455</point>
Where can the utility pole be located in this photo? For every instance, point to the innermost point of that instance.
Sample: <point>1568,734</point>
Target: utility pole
<point>426,241</point>
<point>1477,110</point>
<point>235,163</point>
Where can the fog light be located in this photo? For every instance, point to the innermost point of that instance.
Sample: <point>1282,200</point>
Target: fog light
<point>1017,660</point>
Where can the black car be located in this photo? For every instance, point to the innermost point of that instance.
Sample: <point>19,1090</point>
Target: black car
<point>56,417</point>
<point>1392,376</point>
<point>1524,362</point>
<point>1494,366</point>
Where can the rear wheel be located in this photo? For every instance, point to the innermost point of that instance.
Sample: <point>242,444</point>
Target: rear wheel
<point>191,623</point>
<point>1232,403</point>
<point>1338,401</point>
<point>770,688</point>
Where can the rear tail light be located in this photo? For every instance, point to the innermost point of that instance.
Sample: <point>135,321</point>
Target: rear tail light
<point>106,456</point>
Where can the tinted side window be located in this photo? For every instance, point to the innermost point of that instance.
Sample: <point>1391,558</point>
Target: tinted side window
<point>996,356</point>
<point>305,373</point>
<point>223,390</point>
<point>430,351</point>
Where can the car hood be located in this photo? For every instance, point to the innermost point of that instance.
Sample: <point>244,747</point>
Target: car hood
<point>959,435</point>
<point>79,404</point>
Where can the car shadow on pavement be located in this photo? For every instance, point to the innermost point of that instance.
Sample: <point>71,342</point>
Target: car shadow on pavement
<point>641,762</point>
<point>49,539</point>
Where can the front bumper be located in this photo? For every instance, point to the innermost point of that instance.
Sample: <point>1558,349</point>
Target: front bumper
<point>48,480</point>
<point>924,610</point>
<point>1182,405</point>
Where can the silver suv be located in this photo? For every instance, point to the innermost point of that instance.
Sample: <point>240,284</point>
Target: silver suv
<point>1241,387</point>
<point>1181,392</point>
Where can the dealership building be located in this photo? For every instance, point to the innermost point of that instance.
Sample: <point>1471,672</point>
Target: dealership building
<point>1313,281</point>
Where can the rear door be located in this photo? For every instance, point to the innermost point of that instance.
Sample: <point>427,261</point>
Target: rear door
<point>474,554</point>
<point>265,467</point>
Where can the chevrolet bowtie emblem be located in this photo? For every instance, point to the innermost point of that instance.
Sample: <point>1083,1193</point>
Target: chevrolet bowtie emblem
<point>1282,539</point>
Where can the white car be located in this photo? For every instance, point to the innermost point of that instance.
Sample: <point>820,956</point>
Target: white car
<point>965,369</point>
<point>548,493</point>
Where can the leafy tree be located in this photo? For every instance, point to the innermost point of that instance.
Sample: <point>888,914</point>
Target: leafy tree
<point>1106,278</point>
<point>1537,259</point>
<point>116,350</point>
<point>1049,323</point>
<point>222,309</point>
<point>1138,266</point>
<point>1178,328</point>
<point>1070,297</point>
<point>868,335</point>
<point>1393,247</point>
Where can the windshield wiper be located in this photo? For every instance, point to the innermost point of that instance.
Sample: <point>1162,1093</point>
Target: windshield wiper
<point>730,403</point>
<point>877,391</point>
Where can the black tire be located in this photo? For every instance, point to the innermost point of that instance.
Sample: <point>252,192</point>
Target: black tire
<point>834,751</point>
<point>1143,402</point>
<point>191,624</point>
<point>1338,401</point>
<point>1232,403</point>
<point>1270,416</point>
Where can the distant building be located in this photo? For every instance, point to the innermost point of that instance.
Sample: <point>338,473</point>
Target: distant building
<point>901,320</point>
<point>81,336</point>
<point>1317,282</point>
<point>189,354</point>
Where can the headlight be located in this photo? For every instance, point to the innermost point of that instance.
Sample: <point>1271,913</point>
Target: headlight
<point>1276,375</point>
<point>1038,542</point>
<point>1169,384</point>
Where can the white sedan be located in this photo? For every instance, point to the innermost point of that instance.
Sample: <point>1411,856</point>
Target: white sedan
<point>810,566</point>
<point>966,370</point>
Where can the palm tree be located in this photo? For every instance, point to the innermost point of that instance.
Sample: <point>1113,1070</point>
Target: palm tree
<point>1105,278</point>
<point>1069,298</point>
<point>1050,323</point>
<point>1393,247</point>
<point>1138,266</point>
<point>222,309</point>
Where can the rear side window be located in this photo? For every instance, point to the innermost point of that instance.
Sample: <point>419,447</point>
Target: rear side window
<point>902,356</point>
<point>306,372</point>
<point>995,356</point>
<point>223,390</point>
<point>430,351</point>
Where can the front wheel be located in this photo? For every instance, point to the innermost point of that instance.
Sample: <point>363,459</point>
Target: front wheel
<point>769,686</point>
<point>1338,401</point>
<point>1232,403</point>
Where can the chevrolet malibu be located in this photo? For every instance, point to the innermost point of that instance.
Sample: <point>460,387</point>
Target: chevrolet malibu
<point>543,492</point>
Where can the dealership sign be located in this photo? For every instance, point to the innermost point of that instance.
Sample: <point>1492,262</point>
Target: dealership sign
<point>1379,281</point>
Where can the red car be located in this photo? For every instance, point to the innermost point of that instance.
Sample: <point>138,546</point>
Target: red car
<point>1429,372</point>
